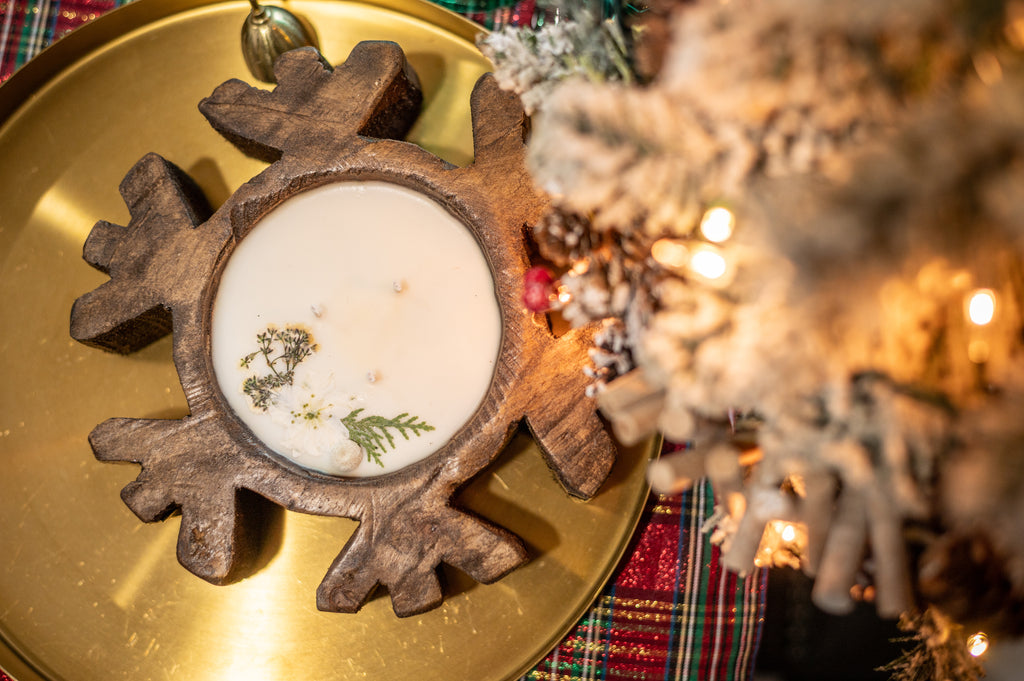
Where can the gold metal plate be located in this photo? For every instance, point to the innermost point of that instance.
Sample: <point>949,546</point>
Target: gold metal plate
<point>89,592</point>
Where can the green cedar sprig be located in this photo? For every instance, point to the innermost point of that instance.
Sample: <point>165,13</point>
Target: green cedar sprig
<point>371,432</point>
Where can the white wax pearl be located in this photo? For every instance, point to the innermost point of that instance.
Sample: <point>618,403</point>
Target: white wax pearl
<point>397,296</point>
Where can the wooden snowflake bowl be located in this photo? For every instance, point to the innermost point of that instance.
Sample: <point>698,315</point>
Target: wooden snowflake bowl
<point>318,127</point>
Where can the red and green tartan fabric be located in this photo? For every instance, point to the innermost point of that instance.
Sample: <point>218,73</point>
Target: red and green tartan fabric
<point>670,612</point>
<point>26,27</point>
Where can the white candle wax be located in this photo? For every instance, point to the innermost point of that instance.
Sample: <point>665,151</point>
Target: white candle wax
<point>399,305</point>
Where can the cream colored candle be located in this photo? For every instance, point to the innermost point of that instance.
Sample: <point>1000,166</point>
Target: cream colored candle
<point>367,296</point>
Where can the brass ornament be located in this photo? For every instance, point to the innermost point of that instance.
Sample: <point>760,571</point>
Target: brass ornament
<point>269,32</point>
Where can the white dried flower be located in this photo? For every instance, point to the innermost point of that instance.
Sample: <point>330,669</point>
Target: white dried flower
<point>310,413</point>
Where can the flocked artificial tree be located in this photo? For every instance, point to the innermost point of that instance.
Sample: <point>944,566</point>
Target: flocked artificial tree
<point>802,226</point>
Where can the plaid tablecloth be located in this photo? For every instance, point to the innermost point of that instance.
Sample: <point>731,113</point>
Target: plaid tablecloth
<point>670,611</point>
<point>30,25</point>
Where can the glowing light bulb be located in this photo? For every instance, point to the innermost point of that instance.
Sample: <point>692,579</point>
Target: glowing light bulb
<point>977,644</point>
<point>670,253</point>
<point>981,306</point>
<point>708,264</point>
<point>717,224</point>
<point>1015,29</point>
<point>788,533</point>
<point>564,295</point>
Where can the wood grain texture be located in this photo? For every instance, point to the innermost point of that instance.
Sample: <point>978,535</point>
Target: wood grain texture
<point>320,126</point>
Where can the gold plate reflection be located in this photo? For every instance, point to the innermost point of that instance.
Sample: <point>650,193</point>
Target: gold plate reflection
<point>88,592</point>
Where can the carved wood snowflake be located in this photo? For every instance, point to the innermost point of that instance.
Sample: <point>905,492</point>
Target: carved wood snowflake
<point>316,127</point>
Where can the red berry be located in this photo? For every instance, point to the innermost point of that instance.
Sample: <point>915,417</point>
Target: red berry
<point>538,289</point>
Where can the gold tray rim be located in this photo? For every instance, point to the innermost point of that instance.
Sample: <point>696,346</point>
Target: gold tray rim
<point>83,40</point>
<point>24,665</point>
